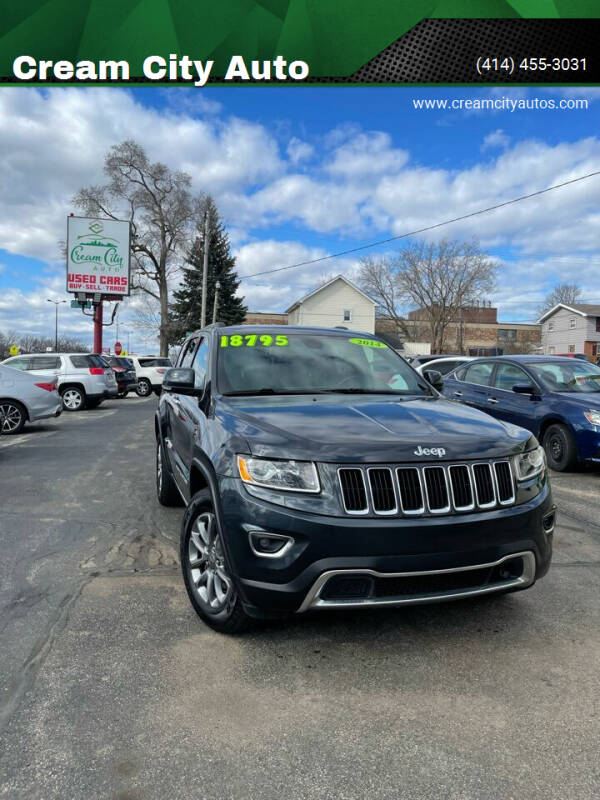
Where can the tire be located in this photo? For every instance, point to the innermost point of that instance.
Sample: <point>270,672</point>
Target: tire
<point>166,490</point>
<point>560,447</point>
<point>144,387</point>
<point>73,398</point>
<point>13,417</point>
<point>207,577</point>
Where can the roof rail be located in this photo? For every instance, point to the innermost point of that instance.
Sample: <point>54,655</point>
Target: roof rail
<point>214,325</point>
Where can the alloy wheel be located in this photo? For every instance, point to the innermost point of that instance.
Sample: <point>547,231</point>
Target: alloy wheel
<point>212,583</point>
<point>159,467</point>
<point>10,417</point>
<point>144,388</point>
<point>72,399</point>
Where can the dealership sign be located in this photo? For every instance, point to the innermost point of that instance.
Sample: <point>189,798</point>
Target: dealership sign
<point>98,256</point>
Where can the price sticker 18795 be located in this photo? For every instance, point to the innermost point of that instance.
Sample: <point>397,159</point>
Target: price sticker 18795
<point>253,339</point>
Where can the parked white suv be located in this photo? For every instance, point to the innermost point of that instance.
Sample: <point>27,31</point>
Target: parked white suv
<point>84,380</point>
<point>150,372</point>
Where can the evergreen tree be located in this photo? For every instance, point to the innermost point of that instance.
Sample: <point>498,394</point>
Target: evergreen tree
<point>186,308</point>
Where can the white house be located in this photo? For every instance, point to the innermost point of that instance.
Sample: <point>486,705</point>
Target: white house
<point>337,302</point>
<point>573,328</point>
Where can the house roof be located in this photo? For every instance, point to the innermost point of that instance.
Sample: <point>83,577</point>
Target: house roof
<point>325,285</point>
<point>583,309</point>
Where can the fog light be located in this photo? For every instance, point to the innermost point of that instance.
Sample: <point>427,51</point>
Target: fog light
<point>549,521</point>
<point>269,545</point>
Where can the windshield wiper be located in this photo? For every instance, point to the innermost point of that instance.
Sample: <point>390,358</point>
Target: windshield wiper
<point>270,391</point>
<point>361,391</point>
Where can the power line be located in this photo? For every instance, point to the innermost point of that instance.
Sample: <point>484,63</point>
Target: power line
<point>421,230</point>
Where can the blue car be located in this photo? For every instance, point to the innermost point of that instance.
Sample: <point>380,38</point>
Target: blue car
<point>557,399</point>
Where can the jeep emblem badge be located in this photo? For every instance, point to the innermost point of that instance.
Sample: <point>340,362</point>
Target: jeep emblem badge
<point>440,452</point>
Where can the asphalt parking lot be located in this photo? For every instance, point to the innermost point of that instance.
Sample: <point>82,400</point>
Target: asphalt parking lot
<point>113,688</point>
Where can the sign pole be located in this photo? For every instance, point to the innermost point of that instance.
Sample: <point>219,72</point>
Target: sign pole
<point>98,317</point>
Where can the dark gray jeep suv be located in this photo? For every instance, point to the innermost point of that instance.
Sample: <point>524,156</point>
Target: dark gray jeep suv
<point>319,470</point>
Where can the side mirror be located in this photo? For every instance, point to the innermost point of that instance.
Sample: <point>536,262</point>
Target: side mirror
<point>524,388</point>
<point>181,380</point>
<point>434,377</point>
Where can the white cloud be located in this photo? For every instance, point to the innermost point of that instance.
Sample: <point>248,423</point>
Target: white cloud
<point>366,156</point>
<point>298,150</point>
<point>497,138</point>
<point>53,142</point>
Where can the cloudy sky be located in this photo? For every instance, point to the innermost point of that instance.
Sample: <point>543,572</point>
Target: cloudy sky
<point>303,172</point>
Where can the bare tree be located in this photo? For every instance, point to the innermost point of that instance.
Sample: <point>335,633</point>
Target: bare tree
<point>567,293</point>
<point>377,278</point>
<point>438,279</point>
<point>162,210</point>
<point>29,343</point>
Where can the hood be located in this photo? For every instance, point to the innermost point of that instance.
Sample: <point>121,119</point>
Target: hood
<point>369,429</point>
<point>583,399</point>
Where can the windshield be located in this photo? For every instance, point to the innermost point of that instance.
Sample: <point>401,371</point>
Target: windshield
<point>155,362</point>
<point>298,363</point>
<point>575,376</point>
<point>121,361</point>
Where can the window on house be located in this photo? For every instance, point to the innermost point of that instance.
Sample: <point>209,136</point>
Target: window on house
<point>507,335</point>
<point>550,326</point>
<point>572,322</point>
<point>347,315</point>
<point>597,324</point>
<point>571,348</point>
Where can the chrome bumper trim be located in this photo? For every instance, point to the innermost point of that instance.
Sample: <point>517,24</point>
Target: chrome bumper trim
<point>313,599</point>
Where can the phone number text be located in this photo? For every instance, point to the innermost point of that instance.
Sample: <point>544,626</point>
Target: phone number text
<point>507,64</point>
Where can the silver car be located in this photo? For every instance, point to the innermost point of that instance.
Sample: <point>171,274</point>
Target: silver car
<point>26,398</point>
<point>84,379</point>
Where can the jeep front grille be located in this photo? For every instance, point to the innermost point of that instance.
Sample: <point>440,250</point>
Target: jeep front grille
<point>426,489</point>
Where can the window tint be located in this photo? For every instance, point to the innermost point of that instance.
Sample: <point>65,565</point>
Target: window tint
<point>18,363</point>
<point>459,375</point>
<point>44,362</point>
<point>186,358</point>
<point>200,361</point>
<point>155,361</point>
<point>121,361</point>
<point>444,367</point>
<point>507,375</point>
<point>479,373</point>
<point>82,362</point>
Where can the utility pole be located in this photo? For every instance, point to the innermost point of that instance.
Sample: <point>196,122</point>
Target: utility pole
<point>98,319</point>
<point>56,305</point>
<point>216,303</point>
<point>205,269</point>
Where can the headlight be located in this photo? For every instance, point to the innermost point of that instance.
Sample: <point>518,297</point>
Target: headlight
<point>530,464</point>
<point>292,476</point>
<point>592,416</point>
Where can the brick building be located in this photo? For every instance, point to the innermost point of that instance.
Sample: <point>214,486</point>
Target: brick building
<point>474,331</point>
<point>265,318</point>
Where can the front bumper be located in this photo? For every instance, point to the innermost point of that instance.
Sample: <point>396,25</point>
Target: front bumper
<point>588,444</point>
<point>383,548</point>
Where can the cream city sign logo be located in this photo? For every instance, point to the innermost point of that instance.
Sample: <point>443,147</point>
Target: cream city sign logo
<point>94,249</point>
<point>440,452</point>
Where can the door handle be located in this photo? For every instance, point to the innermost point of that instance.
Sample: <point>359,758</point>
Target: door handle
<point>458,394</point>
<point>492,400</point>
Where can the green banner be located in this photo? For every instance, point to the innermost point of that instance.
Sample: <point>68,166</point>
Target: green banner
<point>334,37</point>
